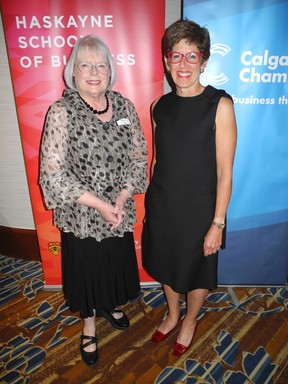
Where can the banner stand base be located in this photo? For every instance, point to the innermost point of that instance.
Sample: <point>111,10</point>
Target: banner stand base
<point>52,288</point>
<point>58,288</point>
<point>233,296</point>
<point>150,284</point>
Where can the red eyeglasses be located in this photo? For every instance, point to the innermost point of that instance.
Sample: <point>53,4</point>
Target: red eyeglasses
<point>191,57</point>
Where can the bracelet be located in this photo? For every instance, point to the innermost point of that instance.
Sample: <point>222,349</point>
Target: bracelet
<point>129,189</point>
<point>218,225</point>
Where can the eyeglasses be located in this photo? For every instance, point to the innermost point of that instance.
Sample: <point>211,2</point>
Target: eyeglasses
<point>85,67</point>
<point>191,57</point>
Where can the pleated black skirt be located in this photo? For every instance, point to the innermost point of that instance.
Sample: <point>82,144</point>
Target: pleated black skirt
<point>98,275</point>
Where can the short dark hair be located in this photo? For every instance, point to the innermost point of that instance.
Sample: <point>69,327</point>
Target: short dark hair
<point>190,31</point>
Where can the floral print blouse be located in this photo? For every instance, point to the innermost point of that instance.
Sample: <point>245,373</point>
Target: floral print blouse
<point>81,153</point>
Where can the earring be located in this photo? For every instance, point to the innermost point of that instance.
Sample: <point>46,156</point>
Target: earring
<point>201,70</point>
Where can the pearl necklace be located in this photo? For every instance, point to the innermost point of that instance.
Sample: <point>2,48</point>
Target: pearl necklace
<point>95,110</point>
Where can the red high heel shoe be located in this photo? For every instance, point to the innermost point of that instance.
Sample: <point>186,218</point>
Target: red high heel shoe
<point>180,349</point>
<point>158,336</point>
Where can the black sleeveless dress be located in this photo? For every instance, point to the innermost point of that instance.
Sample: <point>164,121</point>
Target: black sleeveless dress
<point>180,200</point>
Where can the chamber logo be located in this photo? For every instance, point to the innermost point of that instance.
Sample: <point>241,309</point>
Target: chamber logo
<point>222,50</point>
<point>263,68</point>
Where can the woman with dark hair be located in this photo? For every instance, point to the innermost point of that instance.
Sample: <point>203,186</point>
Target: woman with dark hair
<point>93,159</point>
<point>191,181</point>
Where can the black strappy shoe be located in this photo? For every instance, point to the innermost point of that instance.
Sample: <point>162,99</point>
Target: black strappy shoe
<point>122,323</point>
<point>89,357</point>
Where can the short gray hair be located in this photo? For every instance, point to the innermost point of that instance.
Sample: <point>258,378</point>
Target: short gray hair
<point>94,44</point>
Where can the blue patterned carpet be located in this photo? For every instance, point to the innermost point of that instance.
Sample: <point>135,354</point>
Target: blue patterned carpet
<point>243,342</point>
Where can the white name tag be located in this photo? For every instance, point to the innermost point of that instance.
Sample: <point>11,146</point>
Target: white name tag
<point>123,121</point>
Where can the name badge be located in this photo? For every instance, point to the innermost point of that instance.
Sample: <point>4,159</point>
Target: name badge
<point>123,121</point>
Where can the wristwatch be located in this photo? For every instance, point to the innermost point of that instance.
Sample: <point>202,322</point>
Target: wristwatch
<point>218,225</point>
<point>129,189</point>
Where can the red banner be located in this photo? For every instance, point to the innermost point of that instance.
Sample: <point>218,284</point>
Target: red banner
<point>39,37</point>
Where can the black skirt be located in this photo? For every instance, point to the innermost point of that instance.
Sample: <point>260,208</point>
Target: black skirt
<point>98,275</point>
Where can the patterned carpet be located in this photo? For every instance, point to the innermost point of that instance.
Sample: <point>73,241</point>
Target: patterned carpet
<point>237,341</point>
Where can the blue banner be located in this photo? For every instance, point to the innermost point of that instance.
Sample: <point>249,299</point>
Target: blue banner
<point>249,59</point>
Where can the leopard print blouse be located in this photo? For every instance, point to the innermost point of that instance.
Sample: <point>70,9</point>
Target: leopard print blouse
<point>78,154</point>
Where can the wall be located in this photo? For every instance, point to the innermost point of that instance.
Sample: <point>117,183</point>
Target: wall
<point>15,206</point>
